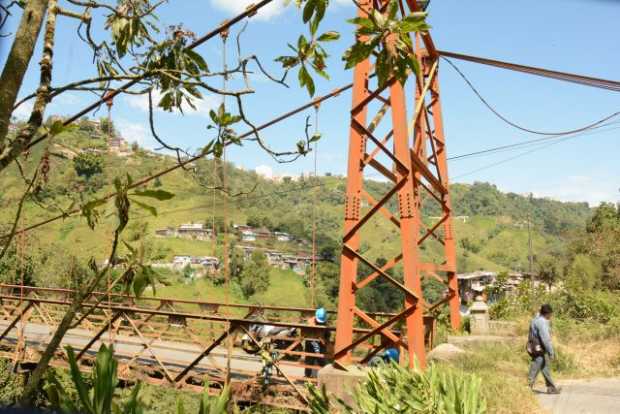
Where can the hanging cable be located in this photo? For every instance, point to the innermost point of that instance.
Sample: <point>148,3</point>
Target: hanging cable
<point>517,126</point>
<point>109,102</point>
<point>313,273</point>
<point>226,268</point>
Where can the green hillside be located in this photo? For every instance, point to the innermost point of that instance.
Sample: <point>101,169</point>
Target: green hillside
<point>492,236</point>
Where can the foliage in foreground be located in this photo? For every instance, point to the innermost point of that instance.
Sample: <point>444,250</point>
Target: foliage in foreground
<point>98,399</point>
<point>394,389</point>
<point>98,394</point>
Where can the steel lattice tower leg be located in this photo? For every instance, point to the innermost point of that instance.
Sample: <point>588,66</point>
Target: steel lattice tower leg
<point>415,165</point>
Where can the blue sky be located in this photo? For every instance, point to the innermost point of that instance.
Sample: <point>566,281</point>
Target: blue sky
<point>579,36</point>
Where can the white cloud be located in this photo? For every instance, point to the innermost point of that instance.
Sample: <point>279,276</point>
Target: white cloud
<point>264,171</point>
<point>235,7</point>
<point>581,188</point>
<point>135,132</point>
<point>67,99</point>
<point>203,106</point>
<point>23,111</point>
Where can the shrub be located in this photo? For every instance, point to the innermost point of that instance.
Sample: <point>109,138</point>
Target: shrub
<point>392,389</point>
<point>11,385</point>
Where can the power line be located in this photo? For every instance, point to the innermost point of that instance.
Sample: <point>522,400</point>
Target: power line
<point>518,145</point>
<point>495,164</point>
<point>517,126</point>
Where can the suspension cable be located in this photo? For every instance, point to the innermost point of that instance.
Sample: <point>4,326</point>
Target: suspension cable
<point>517,126</point>
<point>563,76</point>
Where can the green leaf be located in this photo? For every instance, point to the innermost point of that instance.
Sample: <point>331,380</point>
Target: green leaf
<point>302,44</point>
<point>160,195</point>
<point>357,53</point>
<point>213,116</point>
<point>180,406</point>
<point>413,23</point>
<point>146,207</point>
<point>309,10</point>
<point>287,61</point>
<point>306,80</point>
<point>315,137</point>
<point>363,22</point>
<point>78,381</point>
<point>196,58</point>
<point>329,36</point>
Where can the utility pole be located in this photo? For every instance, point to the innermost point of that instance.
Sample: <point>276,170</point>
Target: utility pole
<point>530,258</point>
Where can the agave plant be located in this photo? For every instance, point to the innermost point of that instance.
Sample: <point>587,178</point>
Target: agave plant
<point>98,399</point>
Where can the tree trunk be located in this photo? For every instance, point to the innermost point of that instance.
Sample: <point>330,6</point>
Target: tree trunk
<point>24,136</point>
<point>32,387</point>
<point>18,61</point>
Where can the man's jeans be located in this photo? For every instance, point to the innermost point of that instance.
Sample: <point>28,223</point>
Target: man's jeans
<point>539,364</point>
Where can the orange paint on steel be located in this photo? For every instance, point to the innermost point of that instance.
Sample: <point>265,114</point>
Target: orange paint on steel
<point>413,166</point>
<point>348,261</point>
<point>409,226</point>
<point>449,241</point>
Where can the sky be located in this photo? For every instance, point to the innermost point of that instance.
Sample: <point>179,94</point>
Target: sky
<point>577,36</point>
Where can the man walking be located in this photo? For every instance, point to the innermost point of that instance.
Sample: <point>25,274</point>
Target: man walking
<point>539,347</point>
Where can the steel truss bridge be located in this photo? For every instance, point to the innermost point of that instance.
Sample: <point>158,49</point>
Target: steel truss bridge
<point>394,131</point>
<point>174,343</point>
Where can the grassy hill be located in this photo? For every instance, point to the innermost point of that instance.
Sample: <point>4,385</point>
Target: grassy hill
<point>493,237</point>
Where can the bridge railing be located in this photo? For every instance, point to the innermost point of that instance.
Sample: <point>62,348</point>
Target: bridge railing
<point>180,343</point>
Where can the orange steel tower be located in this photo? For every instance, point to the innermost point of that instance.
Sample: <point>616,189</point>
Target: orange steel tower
<point>410,153</point>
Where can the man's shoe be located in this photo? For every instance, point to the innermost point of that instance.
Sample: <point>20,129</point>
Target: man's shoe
<point>553,390</point>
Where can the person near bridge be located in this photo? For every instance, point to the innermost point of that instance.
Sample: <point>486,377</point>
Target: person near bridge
<point>540,349</point>
<point>316,346</point>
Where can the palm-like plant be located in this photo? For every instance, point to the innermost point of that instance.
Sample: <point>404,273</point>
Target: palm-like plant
<point>98,399</point>
<point>210,405</point>
<point>392,389</point>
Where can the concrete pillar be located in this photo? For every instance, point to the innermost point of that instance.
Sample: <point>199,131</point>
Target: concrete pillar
<point>341,383</point>
<point>479,317</point>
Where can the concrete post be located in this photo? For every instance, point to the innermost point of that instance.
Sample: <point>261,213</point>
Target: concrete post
<point>341,383</point>
<point>479,319</point>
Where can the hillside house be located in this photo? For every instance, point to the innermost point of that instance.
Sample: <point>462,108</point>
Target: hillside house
<point>210,263</point>
<point>179,262</point>
<point>297,263</point>
<point>282,237</point>
<point>118,146</point>
<point>248,235</point>
<point>470,283</point>
<point>241,227</point>
<point>263,233</point>
<point>194,231</point>
<point>166,232</point>
<point>275,258</point>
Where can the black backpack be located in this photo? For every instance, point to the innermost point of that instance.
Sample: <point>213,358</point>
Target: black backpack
<point>534,345</point>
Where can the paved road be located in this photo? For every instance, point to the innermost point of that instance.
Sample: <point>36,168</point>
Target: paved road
<point>173,355</point>
<point>597,396</point>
